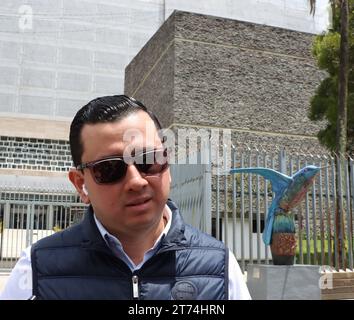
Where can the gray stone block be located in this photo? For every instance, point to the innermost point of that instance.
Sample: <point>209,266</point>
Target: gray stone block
<point>205,71</point>
<point>297,282</point>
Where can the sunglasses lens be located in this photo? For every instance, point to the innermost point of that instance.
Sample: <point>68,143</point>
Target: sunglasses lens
<point>113,170</point>
<point>152,163</point>
<point>109,171</point>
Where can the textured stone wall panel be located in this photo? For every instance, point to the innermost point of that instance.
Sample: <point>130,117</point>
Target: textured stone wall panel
<point>212,29</point>
<point>230,74</point>
<point>147,57</point>
<point>157,92</point>
<point>231,87</point>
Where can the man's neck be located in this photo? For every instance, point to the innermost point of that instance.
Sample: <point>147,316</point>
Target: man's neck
<point>137,246</point>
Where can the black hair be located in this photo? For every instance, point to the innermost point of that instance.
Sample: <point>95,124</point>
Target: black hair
<point>100,110</point>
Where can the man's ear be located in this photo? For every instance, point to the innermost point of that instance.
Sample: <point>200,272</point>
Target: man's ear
<point>77,179</point>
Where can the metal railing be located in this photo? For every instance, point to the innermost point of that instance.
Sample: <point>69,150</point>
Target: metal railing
<point>25,222</point>
<point>239,204</point>
<point>232,208</point>
<point>192,191</point>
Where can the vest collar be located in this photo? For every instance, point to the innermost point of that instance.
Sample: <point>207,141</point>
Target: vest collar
<point>92,238</point>
<point>175,236</point>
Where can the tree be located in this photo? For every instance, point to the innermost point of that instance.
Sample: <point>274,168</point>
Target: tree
<point>334,98</point>
<point>341,137</point>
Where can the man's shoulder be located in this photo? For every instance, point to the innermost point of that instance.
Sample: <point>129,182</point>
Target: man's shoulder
<point>66,237</point>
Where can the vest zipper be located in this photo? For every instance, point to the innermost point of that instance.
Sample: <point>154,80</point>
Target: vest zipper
<point>135,287</point>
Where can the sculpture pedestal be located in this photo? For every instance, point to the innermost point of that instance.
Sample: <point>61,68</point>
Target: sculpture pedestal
<point>277,282</point>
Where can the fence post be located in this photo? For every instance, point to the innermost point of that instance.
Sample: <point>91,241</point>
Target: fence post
<point>50,219</point>
<point>7,215</point>
<point>339,215</point>
<point>226,191</point>
<point>29,225</point>
<point>349,218</point>
<point>206,161</point>
<point>282,161</point>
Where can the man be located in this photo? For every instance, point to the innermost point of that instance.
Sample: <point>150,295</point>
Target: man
<point>132,242</point>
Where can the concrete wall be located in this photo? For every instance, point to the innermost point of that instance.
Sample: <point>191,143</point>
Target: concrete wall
<point>40,128</point>
<point>57,55</point>
<point>289,14</point>
<point>150,75</point>
<point>256,80</point>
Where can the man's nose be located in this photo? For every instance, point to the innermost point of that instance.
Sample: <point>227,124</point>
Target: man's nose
<point>133,179</point>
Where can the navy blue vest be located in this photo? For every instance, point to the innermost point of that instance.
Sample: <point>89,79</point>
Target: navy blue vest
<point>77,264</point>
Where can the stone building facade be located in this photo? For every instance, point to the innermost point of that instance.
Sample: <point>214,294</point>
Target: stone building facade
<point>202,71</point>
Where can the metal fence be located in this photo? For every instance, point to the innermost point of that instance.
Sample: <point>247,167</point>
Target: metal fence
<point>191,189</point>
<point>232,208</point>
<point>25,222</point>
<point>238,204</point>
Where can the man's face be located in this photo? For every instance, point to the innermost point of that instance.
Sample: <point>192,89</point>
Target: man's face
<point>119,205</point>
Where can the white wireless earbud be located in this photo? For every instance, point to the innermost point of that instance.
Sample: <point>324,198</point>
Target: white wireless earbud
<point>84,190</point>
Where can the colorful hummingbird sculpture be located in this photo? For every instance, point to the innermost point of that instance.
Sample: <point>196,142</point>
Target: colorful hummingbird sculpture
<point>279,230</point>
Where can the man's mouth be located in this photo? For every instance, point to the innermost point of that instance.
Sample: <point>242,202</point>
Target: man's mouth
<point>138,201</point>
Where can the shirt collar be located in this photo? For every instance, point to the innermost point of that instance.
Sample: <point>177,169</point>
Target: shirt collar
<point>108,237</point>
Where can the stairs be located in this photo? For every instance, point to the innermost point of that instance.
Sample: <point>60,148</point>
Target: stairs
<point>337,285</point>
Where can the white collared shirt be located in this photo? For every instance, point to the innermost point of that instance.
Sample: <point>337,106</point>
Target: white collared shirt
<point>19,283</point>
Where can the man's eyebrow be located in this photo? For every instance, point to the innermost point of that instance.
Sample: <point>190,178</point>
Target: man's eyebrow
<point>135,152</point>
<point>113,155</point>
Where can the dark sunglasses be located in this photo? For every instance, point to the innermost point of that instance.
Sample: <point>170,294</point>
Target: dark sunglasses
<point>114,169</point>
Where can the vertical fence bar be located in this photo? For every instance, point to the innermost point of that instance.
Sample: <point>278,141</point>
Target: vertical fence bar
<point>265,206</point>
<point>328,216</point>
<point>250,210</point>
<point>300,222</point>
<point>291,172</point>
<point>28,226</point>
<point>50,224</point>
<point>16,232</point>
<point>320,207</point>
<point>21,240</point>
<point>12,224</point>
<point>242,218</point>
<point>340,222</point>
<point>207,188</point>
<point>56,217</point>
<point>61,218</point>
<point>335,258</point>
<point>234,204</point>
<point>32,213</point>
<point>217,208</point>
<point>307,219</point>
<point>7,214</point>
<point>282,161</point>
<point>36,216</point>
<point>273,167</point>
<point>226,198</point>
<point>42,217</point>
<point>66,223</point>
<point>23,233</point>
<point>314,222</point>
<point>349,222</point>
<point>258,216</point>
